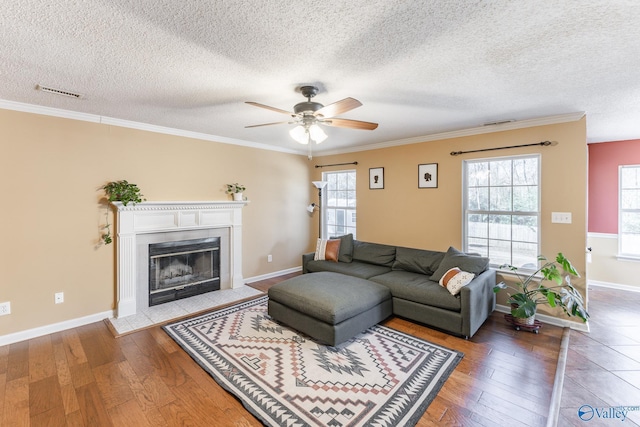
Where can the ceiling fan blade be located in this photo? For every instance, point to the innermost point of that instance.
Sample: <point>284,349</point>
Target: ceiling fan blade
<point>277,110</point>
<point>351,124</point>
<point>339,107</point>
<point>267,124</point>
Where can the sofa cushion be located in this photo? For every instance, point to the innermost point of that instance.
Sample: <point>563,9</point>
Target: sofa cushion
<point>417,260</point>
<point>346,247</point>
<point>465,262</point>
<point>359,269</point>
<point>418,288</point>
<point>374,253</point>
<point>327,250</point>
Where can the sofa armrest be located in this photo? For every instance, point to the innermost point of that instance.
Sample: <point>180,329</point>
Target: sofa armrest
<point>305,259</point>
<point>477,301</point>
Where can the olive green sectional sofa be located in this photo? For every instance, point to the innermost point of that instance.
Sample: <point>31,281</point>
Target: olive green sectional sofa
<point>412,276</point>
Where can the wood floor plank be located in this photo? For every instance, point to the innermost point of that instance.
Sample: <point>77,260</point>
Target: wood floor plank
<point>18,361</point>
<point>54,417</point>
<point>91,406</point>
<point>113,385</point>
<point>513,410</point>
<point>128,414</point>
<point>199,405</point>
<point>81,375</point>
<point>150,391</point>
<point>3,384</point>
<point>69,399</point>
<point>16,403</point>
<point>62,365</point>
<point>44,395</point>
<point>164,340</point>
<point>74,419</point>
<point>98,345</point>
<point>41,361</point>
<point>155,359</point>
<point>4,359</point>
<point>73,348</point>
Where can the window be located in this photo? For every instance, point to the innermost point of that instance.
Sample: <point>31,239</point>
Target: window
<point>629,211</point>
<point>502,209</point>
<point>339,203</point>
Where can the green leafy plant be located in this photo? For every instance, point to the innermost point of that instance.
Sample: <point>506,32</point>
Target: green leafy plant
<point>530,290</point>
<point>119,191</point>
<point>123,191</point>
<point>235,188</point>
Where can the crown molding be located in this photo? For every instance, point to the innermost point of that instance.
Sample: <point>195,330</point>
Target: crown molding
<point>94,118</point>
<point>479,130</point>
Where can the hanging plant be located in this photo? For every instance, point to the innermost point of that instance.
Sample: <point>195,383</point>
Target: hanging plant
<point>119,191</point>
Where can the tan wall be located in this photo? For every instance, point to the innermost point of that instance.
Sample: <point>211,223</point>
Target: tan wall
<point>402,214</point>
<point>51,215</point>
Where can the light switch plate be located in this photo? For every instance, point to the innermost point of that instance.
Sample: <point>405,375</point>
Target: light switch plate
<point>561,217</point>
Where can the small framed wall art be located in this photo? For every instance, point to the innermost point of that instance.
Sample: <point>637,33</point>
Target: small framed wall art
<point>376,178</point>
<point>428,175</point>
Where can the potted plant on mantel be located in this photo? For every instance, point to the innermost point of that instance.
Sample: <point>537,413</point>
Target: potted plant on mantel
<point>119,191</point>
<point>530,291</point>
<point>236,190</point>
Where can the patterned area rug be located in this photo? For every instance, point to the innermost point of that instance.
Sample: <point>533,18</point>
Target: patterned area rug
<point>381,377</point>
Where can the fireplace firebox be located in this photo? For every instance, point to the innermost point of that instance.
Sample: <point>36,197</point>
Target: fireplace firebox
<point>181,269</point>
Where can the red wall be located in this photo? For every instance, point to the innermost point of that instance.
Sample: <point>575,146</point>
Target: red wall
<point>604,159</point>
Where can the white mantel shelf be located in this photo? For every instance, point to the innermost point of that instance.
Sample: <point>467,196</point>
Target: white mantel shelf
<point>160,217</point>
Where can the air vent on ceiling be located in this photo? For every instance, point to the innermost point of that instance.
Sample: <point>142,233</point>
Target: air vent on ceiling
<point>58,91</point>
<point>498,123</point>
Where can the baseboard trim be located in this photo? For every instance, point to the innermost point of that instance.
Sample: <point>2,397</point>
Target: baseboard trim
<point>272,275</point>
<point>54,327</point>
<point>614,286</point>
<point>545,318</point>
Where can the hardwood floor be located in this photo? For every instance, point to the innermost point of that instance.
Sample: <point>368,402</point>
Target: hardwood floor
<point>86,377</point>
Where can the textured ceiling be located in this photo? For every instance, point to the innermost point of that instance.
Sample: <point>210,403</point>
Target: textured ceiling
<point>418,67</point>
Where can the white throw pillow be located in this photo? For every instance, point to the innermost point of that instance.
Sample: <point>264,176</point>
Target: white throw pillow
<point>455,279</point>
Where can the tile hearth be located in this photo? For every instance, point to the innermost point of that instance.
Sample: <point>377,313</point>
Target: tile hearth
<point>180,308</point>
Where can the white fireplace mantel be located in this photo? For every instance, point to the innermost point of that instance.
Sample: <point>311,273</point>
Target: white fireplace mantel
<point>160,217</point>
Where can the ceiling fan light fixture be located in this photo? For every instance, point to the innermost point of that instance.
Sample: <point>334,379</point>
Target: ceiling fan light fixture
<point>299,133</point>
<point>317,134</point>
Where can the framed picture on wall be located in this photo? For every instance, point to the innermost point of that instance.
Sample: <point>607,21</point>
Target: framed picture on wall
<point>428,175</point>
<point>376,178</point>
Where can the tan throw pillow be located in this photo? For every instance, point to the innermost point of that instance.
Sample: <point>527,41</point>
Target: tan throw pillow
<point>327,249</point>
<point>455,279</point>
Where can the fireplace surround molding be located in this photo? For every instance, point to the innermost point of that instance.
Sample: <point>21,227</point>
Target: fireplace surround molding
<point>146,218</point>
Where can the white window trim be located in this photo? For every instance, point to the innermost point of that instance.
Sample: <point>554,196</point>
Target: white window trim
<point>623,256</point>
<point>324,206</point>
<point>538,214</point>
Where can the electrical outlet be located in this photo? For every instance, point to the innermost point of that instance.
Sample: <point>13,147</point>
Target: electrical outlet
<point>5,308</point>
<point>59,297</point>
<point>269,258</point>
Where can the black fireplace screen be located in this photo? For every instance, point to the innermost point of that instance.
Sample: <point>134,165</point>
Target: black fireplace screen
<point>183,269</point>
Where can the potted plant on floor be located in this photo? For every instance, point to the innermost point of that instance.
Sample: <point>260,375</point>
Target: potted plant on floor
<point>531,290</point>
<point>119,191</point>
<point>236,190</point>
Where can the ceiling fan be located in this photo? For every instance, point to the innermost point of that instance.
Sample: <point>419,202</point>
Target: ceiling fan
<point>308,115</point>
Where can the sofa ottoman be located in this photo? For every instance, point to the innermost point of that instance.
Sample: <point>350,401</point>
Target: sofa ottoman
<point>329,307</point>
